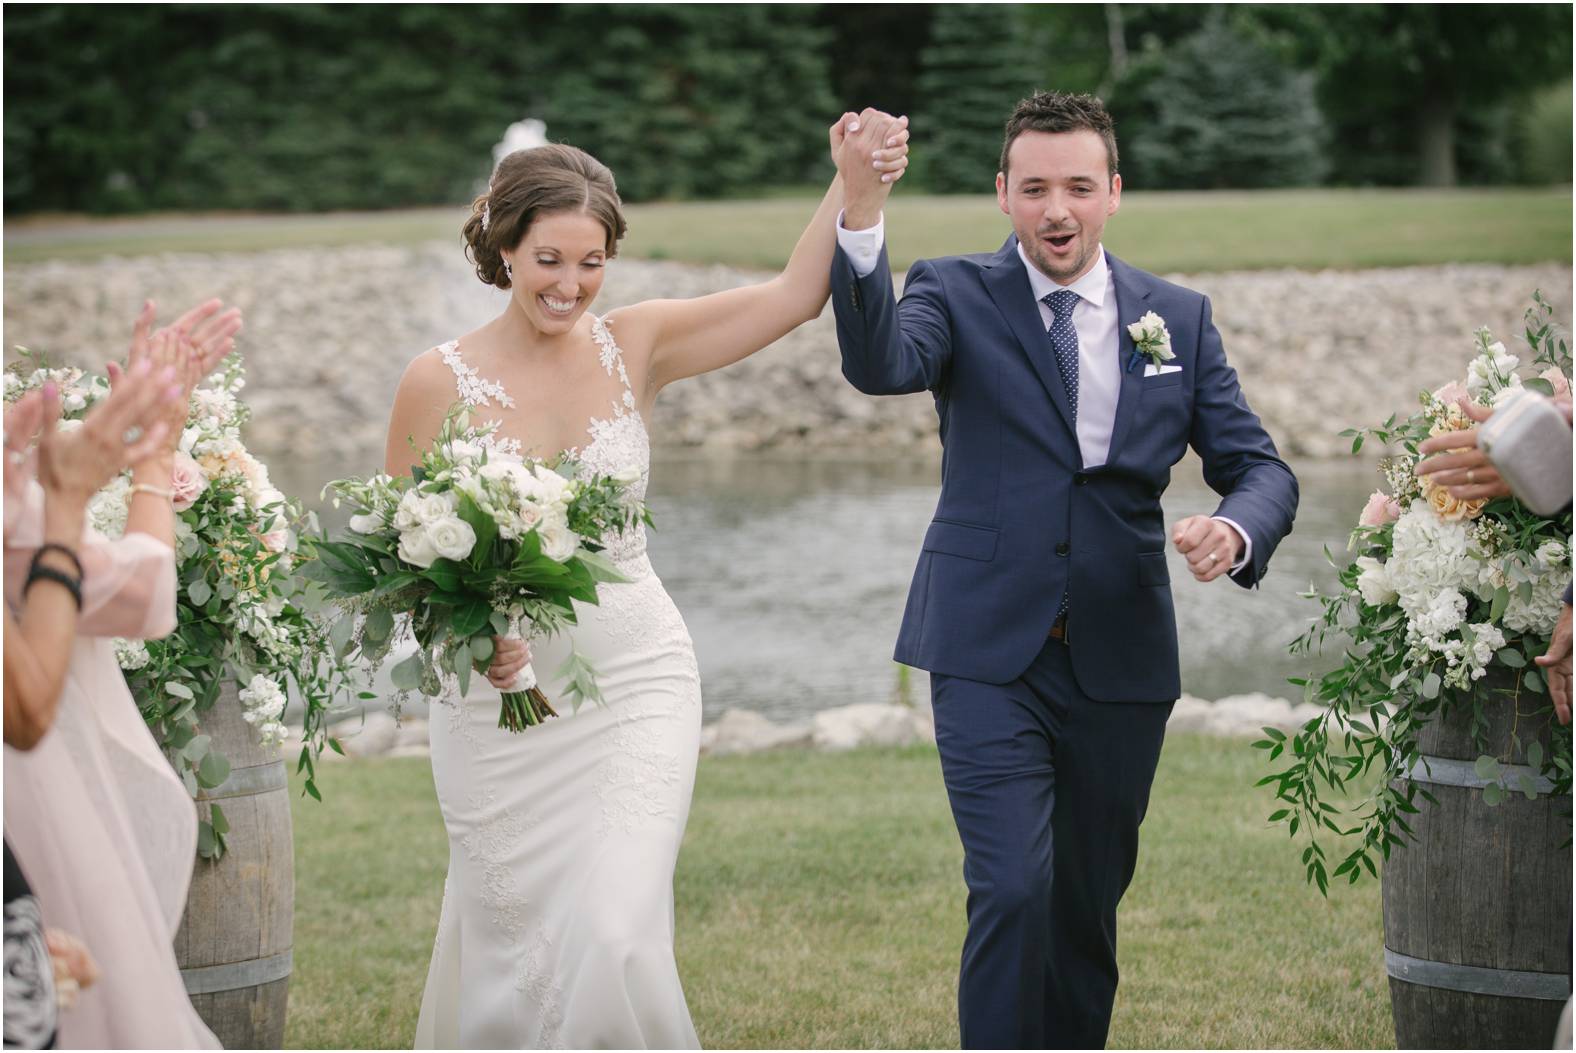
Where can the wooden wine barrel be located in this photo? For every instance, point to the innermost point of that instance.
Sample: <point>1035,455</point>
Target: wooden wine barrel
<point>235,937</point>
<point>1477,911</point>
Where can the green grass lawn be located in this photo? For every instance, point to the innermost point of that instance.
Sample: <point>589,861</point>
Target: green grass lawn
<point>1228,230</point>
<point>820,904</point>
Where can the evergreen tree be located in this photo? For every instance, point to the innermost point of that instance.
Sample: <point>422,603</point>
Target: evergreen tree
<point>1217,110</point>
<point>978,64</point>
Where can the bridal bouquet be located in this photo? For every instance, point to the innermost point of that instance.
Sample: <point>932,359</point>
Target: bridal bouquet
<point>1440,592</point>
<point>474,543</point>
<point>242,616</point>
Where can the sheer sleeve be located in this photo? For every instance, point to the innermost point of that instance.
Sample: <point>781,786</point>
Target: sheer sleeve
<point>128,586</point>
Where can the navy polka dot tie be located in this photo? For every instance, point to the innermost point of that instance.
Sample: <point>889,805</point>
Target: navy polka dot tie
<point>1064,342</point>
<point>1064,345</point>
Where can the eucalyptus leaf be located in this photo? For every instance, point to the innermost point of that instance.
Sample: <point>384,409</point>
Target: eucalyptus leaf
<point>406,675</point>
<point>213,770</point>
<point>1431,685</point>
<point>1511,657</point>
<point>197,748</point>
<point>1528,786</point>
<point>1486,767</point>
<point>1493,794</point>
<point>379,624</point>
<point>178,689</point>
<point>1535,754</point>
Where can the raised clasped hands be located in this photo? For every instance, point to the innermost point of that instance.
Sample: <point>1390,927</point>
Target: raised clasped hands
<point>1210,546</point>
<point>871,152</point>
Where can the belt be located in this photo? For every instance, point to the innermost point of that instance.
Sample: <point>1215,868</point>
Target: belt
<point>1059,630</point>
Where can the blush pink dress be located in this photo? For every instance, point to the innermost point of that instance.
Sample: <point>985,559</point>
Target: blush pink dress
<point>97,818</point>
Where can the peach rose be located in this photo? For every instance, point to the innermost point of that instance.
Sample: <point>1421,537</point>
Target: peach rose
<point>187,482</point>
<point>1380,509</point>
<point>1452,391</point>
<point>1448,507</point>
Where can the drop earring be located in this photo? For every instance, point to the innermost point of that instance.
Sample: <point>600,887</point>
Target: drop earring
<point>508,269</point>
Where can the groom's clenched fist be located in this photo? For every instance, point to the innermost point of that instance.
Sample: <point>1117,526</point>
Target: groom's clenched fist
<point>1210,546</point>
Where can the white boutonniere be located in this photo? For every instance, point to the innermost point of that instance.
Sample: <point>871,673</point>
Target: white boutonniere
<point>1151,340</point>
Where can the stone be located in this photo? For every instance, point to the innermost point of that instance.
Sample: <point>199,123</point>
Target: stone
<point>871,724</point>
<point>745,731</point>
<point>371,736</point>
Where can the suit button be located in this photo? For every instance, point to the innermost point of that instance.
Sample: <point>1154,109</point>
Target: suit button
<point>1080,479</point>
<point>1064,549</point>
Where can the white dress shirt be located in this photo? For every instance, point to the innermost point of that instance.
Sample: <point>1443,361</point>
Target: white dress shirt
<point>1095,319</point>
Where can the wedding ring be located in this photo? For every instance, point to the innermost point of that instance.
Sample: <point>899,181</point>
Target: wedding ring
<point>131,434</point>
<point>1213,559</point>
<point>1469,476</point>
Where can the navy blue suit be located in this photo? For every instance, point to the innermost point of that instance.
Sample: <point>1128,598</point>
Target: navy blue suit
<point>1050,745</point>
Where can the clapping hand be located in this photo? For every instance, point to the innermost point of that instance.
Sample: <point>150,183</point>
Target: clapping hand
<point>193,345</point>
<point>122,430</point>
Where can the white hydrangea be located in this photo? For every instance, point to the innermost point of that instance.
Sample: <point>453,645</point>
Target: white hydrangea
<point>1486,640</point>
<point>107,510</point>
<point>131,654</point>
<point>263,707</point>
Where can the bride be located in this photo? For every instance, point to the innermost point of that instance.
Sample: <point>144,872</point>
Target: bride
<point>557,920</point>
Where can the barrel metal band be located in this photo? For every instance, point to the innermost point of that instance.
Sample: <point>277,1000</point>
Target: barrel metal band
<point>1445,771</point>
<point>248,782</point>
<point>1475,979</point>
<point>211,979</point>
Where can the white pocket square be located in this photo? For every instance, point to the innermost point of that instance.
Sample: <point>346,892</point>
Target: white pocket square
<point>1153,370</point>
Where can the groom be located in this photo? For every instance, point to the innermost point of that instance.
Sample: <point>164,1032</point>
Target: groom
<point>1041,603</point>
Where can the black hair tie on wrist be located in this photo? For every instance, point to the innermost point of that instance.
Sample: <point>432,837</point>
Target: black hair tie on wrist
<point>59,577</point>
<point>50,546</point>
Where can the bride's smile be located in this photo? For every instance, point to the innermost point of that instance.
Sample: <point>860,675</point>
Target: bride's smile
<point>558,270</point>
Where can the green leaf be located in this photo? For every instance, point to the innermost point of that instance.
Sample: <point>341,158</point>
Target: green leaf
<point>499,622</point>
<point>179,690</point>
<point>1528,785</point>
<point>1511,657</point>
<point>1541,386</point>
<point>221,825</point>
<point>213,770</point>
<point>379,624</point>
<point>470,618</point>
<point>462,665</point>
<point>601,568</point>
<point>1532,680</point>
<point>1535,754</point>
<point>197,748</point>
<point>1493,794</point>
<point>481,648</point>
<point>1431,685</point>
<point>199,592</point>
<point>406,675</point>
<point>1486,767</point>
<point>1501,601</point>
<point>1274,734</point>
<point>444,573</point>
<point>207,844</point>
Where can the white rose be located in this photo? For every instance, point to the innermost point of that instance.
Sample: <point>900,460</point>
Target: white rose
<point>461,450</point>
<point>416,547</point>
<point>452,537</point>
<point>628,476</point>
<point>366,524</point>
<point>558,543</point>
<point>1374,582</point>
<point>73,403</point>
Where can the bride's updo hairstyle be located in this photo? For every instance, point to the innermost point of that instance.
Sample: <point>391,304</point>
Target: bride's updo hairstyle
<point>532,183</point>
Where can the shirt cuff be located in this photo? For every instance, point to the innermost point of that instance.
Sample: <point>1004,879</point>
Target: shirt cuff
<point>1247,543</point>
<point>862,247</point>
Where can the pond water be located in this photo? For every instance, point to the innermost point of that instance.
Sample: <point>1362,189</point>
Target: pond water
<point>792,574</point>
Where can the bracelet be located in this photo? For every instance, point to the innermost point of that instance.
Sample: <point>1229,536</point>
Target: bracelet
<point>149,488</point>
<point>59,577</point>
<point>50,546</point>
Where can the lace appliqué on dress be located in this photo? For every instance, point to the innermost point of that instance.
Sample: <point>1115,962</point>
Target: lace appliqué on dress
<point>475,390</point>
<point>488,847</point>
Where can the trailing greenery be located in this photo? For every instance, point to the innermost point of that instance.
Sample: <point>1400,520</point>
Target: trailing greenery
<point>820,904</point>
<point>1444,609</point>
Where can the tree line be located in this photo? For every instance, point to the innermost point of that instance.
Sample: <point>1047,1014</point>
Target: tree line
<point>131,108</point>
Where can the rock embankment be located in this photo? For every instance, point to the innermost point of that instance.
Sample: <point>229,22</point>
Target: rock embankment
<point>377,734</point>
<point>329,331</point>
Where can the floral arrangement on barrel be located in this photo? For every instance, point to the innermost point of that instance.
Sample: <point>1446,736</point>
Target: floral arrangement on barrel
<point>1441,592</point>
<point>243,614</point>
<point>474,543</point>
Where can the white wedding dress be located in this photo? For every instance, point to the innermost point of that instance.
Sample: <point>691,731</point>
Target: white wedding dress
<point>557,921</point>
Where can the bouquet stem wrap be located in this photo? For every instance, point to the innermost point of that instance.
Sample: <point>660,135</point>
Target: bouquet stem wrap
<point>524,704</point>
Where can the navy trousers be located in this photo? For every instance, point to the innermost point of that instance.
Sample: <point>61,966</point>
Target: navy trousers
<point>1048,788</point>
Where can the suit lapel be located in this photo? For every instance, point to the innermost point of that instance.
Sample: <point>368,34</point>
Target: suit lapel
<point>1008,286</point>
<point>1131,294</point>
